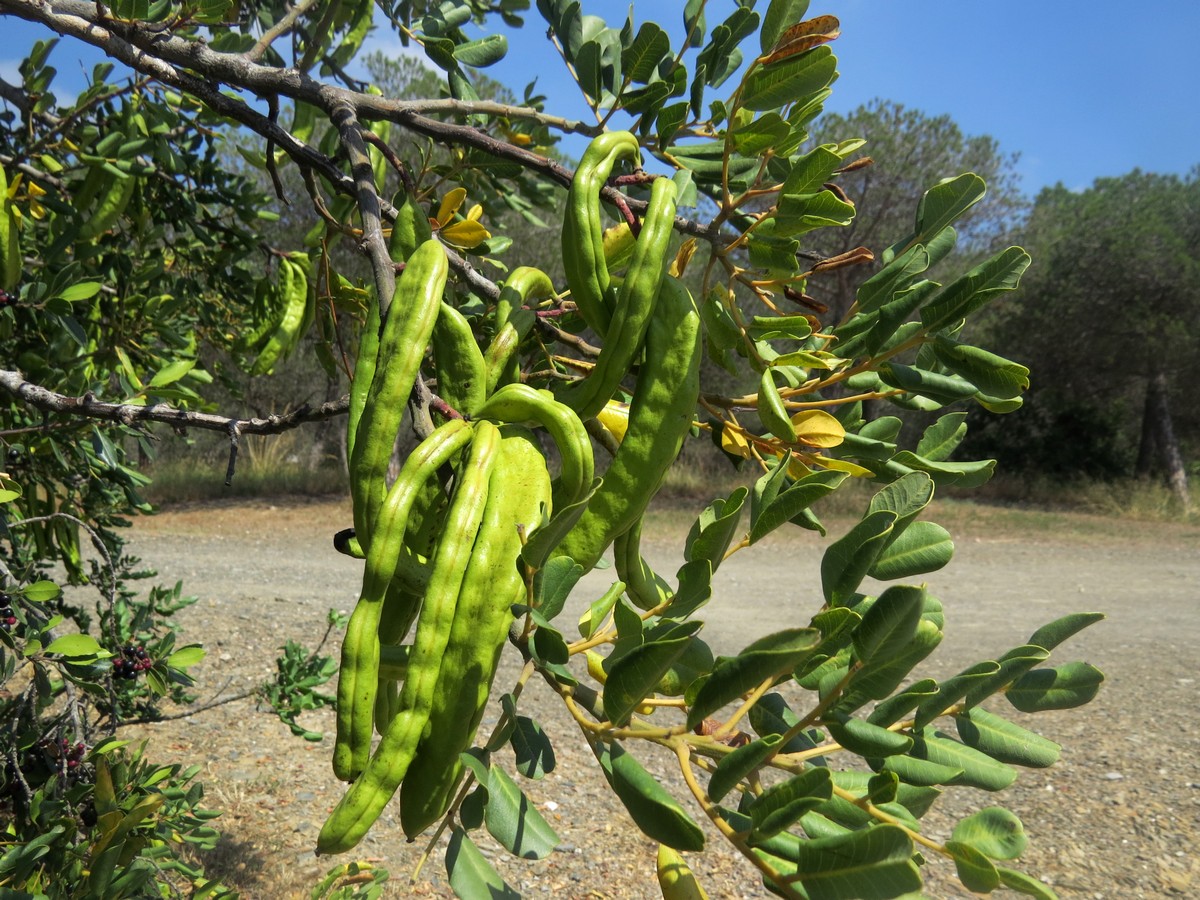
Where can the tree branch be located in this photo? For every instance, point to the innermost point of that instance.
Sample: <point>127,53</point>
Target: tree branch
<point>88,406</point>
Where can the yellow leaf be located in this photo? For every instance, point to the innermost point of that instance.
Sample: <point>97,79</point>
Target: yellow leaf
<point>683,257</point>
<point>450,204</point>
<point>475,214</point>
<point>465,234</point>
<point>818,428</point>
<point>615,418</point>
<point>734,441</point>
<point>841,465</point>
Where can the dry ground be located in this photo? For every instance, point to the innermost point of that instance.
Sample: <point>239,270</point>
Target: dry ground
<point>1118,817</point>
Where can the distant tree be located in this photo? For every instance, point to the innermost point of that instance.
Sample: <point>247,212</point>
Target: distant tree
<point>910,150</point>
<point>1108,320</point>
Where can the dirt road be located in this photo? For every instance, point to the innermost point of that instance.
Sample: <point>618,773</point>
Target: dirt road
<point>1118,817</point>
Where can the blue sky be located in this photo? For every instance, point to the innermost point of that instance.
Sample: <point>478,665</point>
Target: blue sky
<point>1080,90</point>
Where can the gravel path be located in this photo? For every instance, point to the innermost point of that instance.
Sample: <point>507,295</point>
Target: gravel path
<point>1118,817</point>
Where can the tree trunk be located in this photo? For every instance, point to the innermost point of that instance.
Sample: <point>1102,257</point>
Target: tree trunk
<point>1157,422</point>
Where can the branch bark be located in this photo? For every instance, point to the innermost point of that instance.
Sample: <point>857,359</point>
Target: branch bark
<point>87,406</point>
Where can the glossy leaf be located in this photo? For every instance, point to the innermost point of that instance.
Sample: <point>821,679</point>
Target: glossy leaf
<point>641,58</point>
<point>865,739</point>
<point>889,626</point>
<point>1064,687</point>
<point>779,17</point>
<point>735,766</point>
<point>979,769</point>
<point>951,691</point>
<point>922,547</point>
<point>787,504</point>
<point>790,80</point>
<point>553,584</point>
<point>772,716</point>
<point>769,657</point>
<point>1023,884</point>
<point>713,532</point>
<point>1004,741</point>
<point>532,748</point>
<point>1013,665</point>
<point>940,207</point>
<point>975,870</point>
<point>847,560</point>
<point>653,810</point>
<point>921,772</point>
<point>781,805</point>
<point>878,681</point>
<point>514,822</point>
<point>1054,633</point>
<point>896,707</point>
<point>483,52</point>
<point>873,864</point>
<point>994,375</point>
<point>994,832</point>
<point>74,645</point>
<point>977,287</point>
<point>943,437</point>
<point>634,676</point>
<point>471,875</point>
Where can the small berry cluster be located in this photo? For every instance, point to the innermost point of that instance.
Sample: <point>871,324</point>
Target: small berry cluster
<point>7,299</point>
<point>7,620</point>
<point>133,659</point>
<point>71,754</point>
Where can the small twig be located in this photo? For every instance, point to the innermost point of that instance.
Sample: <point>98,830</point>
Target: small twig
<point>235,439</point>
<point>571,340</point>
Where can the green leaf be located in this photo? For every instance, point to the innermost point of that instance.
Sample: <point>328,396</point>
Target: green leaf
<point>895,708</point>
<point>653,810</point>
<point>514,822</point>
<point>186,657</point>
<point>761,134</point>
<point>979,769</point>
<point>714,530</point>
<point>1004,741</point>
<point>873,864</point>
<point>1063,687</point>
<point>866,739</point>
<point>996,376</point>
<point>781,805</point>
<point>976,288</point>
<point>894,277</point>
<point>769,657</point>
<point>792,80</point>
<point>41,591</point>
<point>787,504</point>
<point>922,547</point>
<point>921,772</point>
<point>780,16</point>
<point>640,59</point>
<point>598,609</point>
<point>172,372</point>
<point>74,645</point>
<point>878,681</point>
<point>810,172</point>
<point>939,207</point>
<point>548,646</point>
<point>772,716</point>
<point>84,290</point>
<point>889,626</point>
<point>532,748</point>
<point>952,690</point>
<point>735,766</point>
<point>1054,633</point>
<point>994,832</point>
<point>943,436</point>
<point>959,474</point>
<point>634,676</point>
<point>553,584</point>
<point>669,120</point>
<point>1013,665</point>
<point>543,541</point>
<point>471,875</point>
<point>945,388</point>
<point>848,559</point>
<point>1023,884</point>
<point>482,52</point>
<point>798,214</point>
<point>975,870</point>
